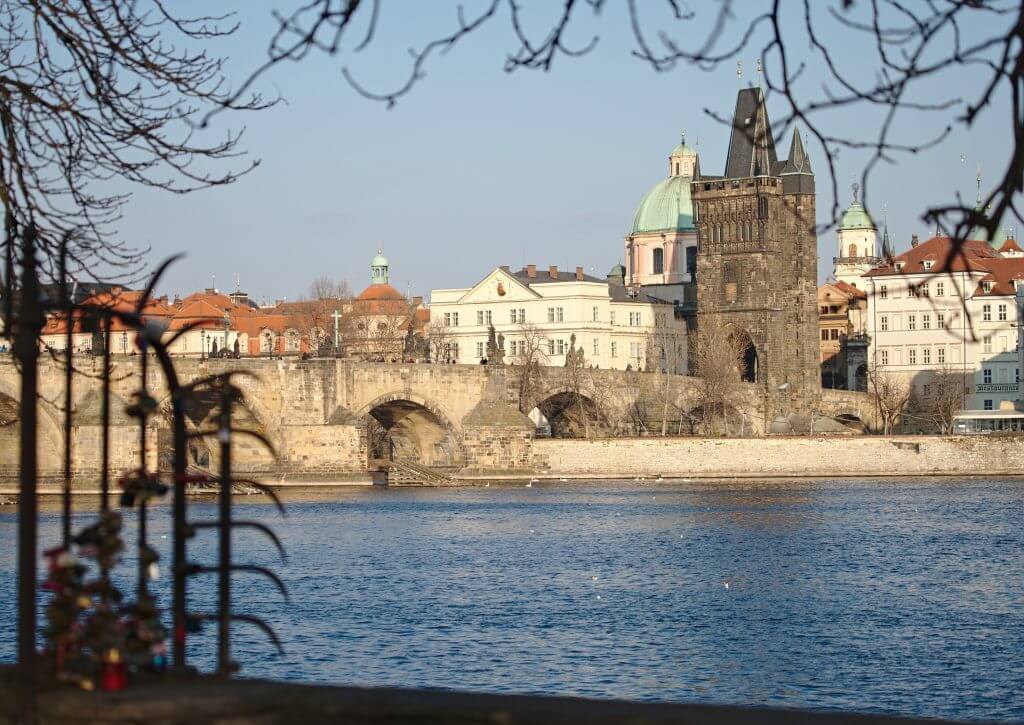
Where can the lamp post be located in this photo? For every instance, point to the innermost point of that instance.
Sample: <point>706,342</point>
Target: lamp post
<point>124,342</point>
<point>227,325</point>
<point>202,344</point>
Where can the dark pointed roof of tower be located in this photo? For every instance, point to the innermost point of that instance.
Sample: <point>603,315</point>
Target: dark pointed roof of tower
<point>798,161</point>
<point>751,144</point>
<point>886,251</point>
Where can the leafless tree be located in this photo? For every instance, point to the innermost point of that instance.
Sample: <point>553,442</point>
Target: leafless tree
<point>906,51</point>
<point>98,90</point>
<point>720,367</point>
<point>439,340</point>
<point>946,391</point>
<point>530,345</point>
<point>326,288</point>
<point>892,394</point>
<point>666,358</point>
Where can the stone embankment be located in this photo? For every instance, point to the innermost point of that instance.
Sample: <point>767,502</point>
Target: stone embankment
<point>791,456</point>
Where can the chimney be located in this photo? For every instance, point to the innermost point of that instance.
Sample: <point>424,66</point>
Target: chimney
<point>531,270</point>
<point>579,274</point>
<point>913,241</point>
<point>553,271</point>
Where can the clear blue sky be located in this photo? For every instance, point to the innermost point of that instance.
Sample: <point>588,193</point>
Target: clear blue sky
<point>477,167</point>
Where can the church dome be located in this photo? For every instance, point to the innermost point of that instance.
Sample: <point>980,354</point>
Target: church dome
<point>981,233</point>
<point>683,150</point>
<point>380,291</point>
<point>856,217</point>
<point>666,208</point>
<point>379,261</point>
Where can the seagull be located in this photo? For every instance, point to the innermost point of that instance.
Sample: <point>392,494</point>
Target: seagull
<point>660,478</point>
<point>563,479</point>
<point>726,585</point>
<point>487,485</point>
<point>593,578</point>
<point>598,596</point>
<point>529,485</point>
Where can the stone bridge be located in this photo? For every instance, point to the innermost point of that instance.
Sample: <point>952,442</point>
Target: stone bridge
<point>330,417</point>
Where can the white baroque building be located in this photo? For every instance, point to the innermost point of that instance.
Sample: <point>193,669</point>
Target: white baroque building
<point>613,329</point>
<point>917,324</point>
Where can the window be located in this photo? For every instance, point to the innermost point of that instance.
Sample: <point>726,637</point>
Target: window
<point>594,311</point>
<point>883,323</point>
<point>986,286</point>
<point>940,321</point>
<point>561,347</point>
<point>883,292</point>
<point>987,404</point>
<point>926,390</point>
<point>659,261</point>
<point>928,264</point>
<point>853,250</point>
<point>635,351</point>
<point>560,314</point>
<point>883,357</point>
<point>597,348</point>
<point>926,322</point>
<point>480,350</point>
<point>1002,313</point>
<point>1003,342</point>
<point>611,317</point>
<point>911,356</point>
<point>451,319</point>
<point>986,313</point>
<point>835,333</point>
<point>512,317</point>
<point>1016,375</point>
<point>924,290</point>
<point>940,289</point>
<point>898,266</point>
<point>940,356</point>
<point>986,375</point>
<point>691,260</point>
<point>551,347</point>
<point>824,309</point>
<point>1003,375</point>
<point>522,315</point>
<point>926,355</point>
<point>911,290</point>
<point>292,340</point>
<point>551,314</point>
<point>614,349</point>
<point>824,334</point>
<point>986,343</point>
<point>911,322</point>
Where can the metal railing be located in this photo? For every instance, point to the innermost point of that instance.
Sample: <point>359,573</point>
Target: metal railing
<point>92,637</point>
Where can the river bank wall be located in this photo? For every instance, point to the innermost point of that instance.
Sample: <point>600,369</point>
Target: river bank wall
<point>782,457</point>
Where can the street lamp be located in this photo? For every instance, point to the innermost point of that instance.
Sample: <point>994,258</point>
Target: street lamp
<point>124,342</point>
<point>227,324</point>
<point>202,344</point>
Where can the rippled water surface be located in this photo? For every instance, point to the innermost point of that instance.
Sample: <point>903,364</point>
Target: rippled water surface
<point>903,596</point>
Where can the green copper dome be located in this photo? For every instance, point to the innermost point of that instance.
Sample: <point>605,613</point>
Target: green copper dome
<point>666,207</point>
<point>379,261</point>
<point>856,217</point>
<point>683,150</point>
<point>982,234</point>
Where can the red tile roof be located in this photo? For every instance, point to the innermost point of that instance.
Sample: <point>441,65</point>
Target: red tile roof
<point>973,256</point>
<point>850,289</point>
<point>1010,245</point>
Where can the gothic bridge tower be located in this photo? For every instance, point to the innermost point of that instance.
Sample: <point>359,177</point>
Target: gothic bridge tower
<point>757,258</point>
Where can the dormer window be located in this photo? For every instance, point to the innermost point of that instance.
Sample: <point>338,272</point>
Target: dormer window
<point>928,264</point>
<point>898,266</point>
<point>986,286</point>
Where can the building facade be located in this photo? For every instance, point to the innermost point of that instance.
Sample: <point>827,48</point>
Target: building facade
<point>934,308</point>
<point>613,327</point>
<point>757,258</point>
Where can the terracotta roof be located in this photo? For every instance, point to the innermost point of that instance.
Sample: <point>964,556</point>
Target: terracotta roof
<point>1002,273</point>
<point>849,289</point>
<point>1010,245</point>
<point>973,256</point>
<point>380,292</point>
<point>213,298</point>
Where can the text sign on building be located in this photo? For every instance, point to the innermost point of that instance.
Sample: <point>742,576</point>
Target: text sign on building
<point>996,388</point>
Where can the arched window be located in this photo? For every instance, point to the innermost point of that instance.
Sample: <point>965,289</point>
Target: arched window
<point>291,338</point>
<point>853,250</point>
<point>659,261</point>
<point>267,341</point>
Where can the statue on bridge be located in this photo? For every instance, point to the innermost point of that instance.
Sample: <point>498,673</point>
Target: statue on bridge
<point>495,347</point>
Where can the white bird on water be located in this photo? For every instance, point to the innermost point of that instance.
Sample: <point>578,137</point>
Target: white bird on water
<point>487,485</point>
<point>529,485</point>
<point>726,585</point>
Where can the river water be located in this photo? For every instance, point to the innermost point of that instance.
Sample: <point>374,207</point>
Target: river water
<point>902,596</point>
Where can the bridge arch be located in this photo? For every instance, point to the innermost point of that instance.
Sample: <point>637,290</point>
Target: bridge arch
<point>569,414</point>
<point>405,426</point>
